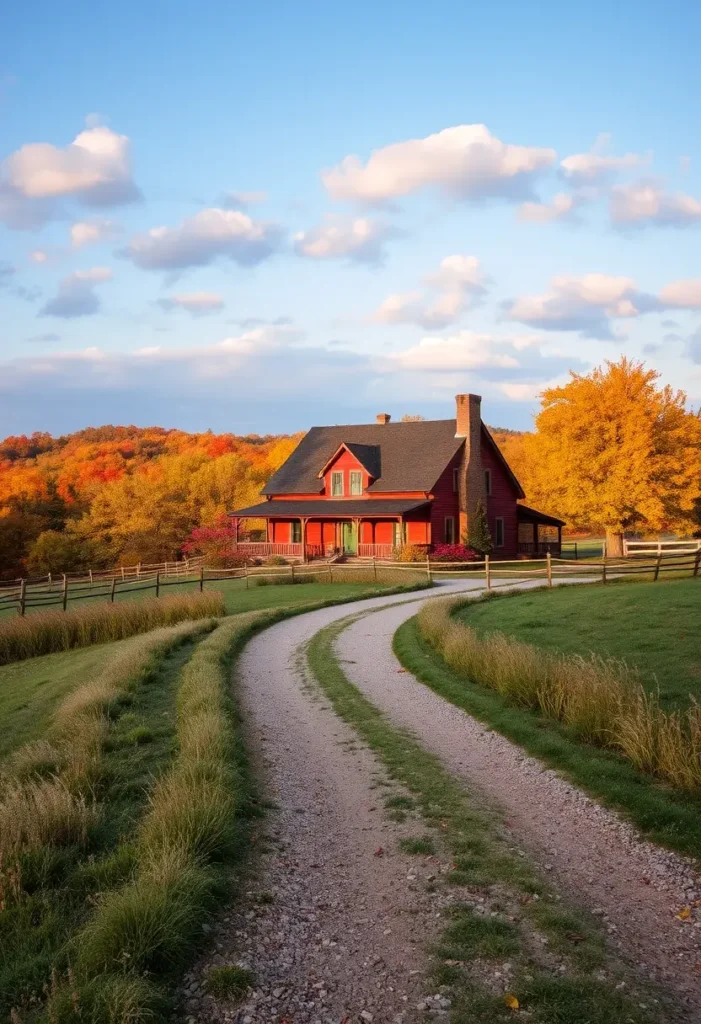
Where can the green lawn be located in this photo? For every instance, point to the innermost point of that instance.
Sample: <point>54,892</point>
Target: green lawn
<point>30,690</point>
<point>655,627</point>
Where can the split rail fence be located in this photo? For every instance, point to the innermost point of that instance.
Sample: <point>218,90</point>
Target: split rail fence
<point>47,591</point>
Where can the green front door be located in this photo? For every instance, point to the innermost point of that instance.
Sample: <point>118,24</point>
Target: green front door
<point>350,538</point>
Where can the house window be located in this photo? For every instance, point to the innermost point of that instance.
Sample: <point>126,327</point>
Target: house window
<point>499,533</point>
<point>449,530</point>
<point>456,481</point>
<point>487,482</point>
<point>356,482</point>
<point>337,485</point>
<point>296,533</point>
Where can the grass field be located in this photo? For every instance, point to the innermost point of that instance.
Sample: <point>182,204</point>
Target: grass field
<point>654,627</point>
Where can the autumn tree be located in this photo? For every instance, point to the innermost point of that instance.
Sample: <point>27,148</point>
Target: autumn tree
<point>615,451</point>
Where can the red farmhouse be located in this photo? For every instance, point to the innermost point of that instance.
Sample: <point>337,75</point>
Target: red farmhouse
<point>367,489</point>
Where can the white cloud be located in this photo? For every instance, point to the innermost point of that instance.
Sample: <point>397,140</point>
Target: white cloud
<point>95,169</point>
<point>644,203</point>
<point>466,161</point>
<point>462,351</point>
<point>197,303</point>
<point>202,238</point>
<point>359,239</point>
<point>519,392</point>
<point>598,165</point>
<point>76,294</point>
<point>562,207</point>
<point>88,232</point>
<point>458,281</point>
<point>681,295</point>
<point>586,304</point>
<point>39,256</point>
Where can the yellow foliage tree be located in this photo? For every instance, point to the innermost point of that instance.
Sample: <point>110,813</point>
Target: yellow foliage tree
<point>616,451</point>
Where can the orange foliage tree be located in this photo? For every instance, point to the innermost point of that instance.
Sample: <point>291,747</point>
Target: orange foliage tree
<point>616,451</point>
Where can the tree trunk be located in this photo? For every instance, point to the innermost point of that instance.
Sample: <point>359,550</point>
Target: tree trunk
<point>614,544</point>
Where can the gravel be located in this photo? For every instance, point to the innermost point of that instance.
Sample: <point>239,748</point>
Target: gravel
<point>595,858</point>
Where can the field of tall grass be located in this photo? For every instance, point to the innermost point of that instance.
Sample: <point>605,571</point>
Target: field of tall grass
<point>52,631</point>
<point>143,930</point>
<point>602,701</point>
<point>55,811</point>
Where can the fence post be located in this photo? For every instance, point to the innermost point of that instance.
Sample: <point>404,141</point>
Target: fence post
<point>138,571</point>
<point>487,574</point>
<point>122,572</point>
<point>657,566</point>
<point>697,560</point>
<point>158,584</point>
<point>549,568</point>
<point>603,570</point>
<point>428,567</point>
<point>114,584</point>
<point>245,569</point>
<point>50,583</point>
<point>330,573</point>
<point>292,571</point>
<point>374,568</point>
<point>65,591</point>
<point>90,571</point>
<point>576,556</point>
<point>22,596</point>
<point>201,578</point>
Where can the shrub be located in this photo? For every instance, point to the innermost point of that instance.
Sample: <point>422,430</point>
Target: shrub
<point>52,631</point>
<point>277,560</point>
<point>454,553</point>
<point>409,553</point>
<point>229,981</point>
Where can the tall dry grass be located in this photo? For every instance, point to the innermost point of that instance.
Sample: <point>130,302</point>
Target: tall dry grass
<point>52,631</point>
<point>601,700</point>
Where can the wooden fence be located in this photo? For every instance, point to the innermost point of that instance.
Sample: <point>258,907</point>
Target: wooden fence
<point>46,592</point>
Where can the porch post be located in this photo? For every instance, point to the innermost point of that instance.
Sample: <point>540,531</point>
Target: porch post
<point>236,533</point>
<point>356,520</point>
<point>303,521</point>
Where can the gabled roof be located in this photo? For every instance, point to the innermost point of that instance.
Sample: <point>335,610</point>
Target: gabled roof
<point>530,515</point>
<point>368,455</point>
<point>412,455</point>
<point>520,493</point>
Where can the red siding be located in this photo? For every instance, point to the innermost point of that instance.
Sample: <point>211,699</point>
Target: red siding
<point>501,503</point>
<point>344,464</point>
<point>445,502</point>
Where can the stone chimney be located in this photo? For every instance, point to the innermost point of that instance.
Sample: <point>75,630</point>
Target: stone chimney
<point>383,418</point>
<point>471,489</point>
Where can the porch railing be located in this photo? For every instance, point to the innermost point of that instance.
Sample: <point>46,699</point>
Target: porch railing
<point>375,550</point>
<point>263,549</point>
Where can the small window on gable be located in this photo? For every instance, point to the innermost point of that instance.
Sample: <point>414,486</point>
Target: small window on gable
<point>356,481</point>
<point>449,530</point>
<point>456,480</point>
<point>337,485</point>
<point>488,482</point>
<point>499,533</point>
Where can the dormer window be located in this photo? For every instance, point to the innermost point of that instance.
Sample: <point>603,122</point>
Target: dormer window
<point>356,482</point>
<point>337,485</point>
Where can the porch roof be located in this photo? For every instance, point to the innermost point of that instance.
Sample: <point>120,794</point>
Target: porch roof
<point>532,515</point>
<point>363,508</point>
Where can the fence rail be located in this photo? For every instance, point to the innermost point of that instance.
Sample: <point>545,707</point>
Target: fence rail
<point>45,592</point>
<point>659,547</point>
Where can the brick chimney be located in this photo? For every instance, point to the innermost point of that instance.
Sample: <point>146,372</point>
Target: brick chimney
<point>471,489</point>
<point>383,418</point>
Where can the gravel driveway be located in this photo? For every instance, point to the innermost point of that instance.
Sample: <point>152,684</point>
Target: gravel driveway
<point>594,857</point>
<point>336,923</point>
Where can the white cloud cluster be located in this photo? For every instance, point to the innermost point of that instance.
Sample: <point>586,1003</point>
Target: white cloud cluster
<point>681,295</point>
<point>359,239</point>
<point>585,304</point>
<point>643,203</point>
<point>202,238</point>
<point>466,161</point>
<point>598,165</point>
<point>464,350</point>
<point>94,169</point>
<point>458,280</point>
<point>197,303</point>
<point>76,294</point>
<point>562,207</point>
<point>89,232</point>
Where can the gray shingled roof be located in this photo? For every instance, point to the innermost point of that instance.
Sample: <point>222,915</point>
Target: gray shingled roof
<point>367,508</point>
<point>412,455</point>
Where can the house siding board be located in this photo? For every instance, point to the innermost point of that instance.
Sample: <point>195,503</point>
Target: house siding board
<point>445,500</point>
<point>501,503</point>
<point>344,463</point>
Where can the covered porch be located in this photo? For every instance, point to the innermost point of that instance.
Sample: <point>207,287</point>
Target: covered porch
<point>538,533</point>
<point>370,528</point>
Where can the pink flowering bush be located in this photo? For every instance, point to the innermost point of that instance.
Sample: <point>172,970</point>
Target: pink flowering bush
<point>215,544</point>
<point>454,553</point>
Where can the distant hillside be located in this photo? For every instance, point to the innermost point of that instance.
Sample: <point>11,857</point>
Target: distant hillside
<point>123,492</point>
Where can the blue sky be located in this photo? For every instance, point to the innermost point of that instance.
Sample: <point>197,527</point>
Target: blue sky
<point>258,217</point>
